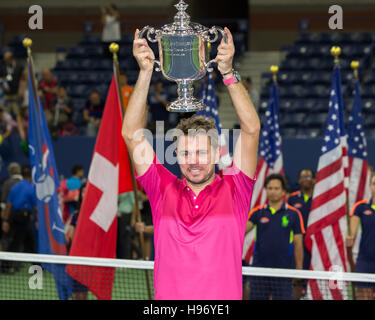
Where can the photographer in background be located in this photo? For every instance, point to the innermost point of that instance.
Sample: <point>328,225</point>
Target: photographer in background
<point>111,28</point>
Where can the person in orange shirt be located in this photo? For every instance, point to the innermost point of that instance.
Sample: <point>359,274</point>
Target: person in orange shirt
<point>126,90</point>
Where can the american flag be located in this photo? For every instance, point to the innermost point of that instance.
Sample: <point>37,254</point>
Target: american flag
<point>359,174</point>
<point>211,111</point>
<point>327,222</point>
<point>270,161</point>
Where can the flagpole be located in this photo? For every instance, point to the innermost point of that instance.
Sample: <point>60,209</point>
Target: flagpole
<point>114,48</point>
<point>354,65</point>
<point>27,43</point>
<point>335,52</point>
<point>274,69</point>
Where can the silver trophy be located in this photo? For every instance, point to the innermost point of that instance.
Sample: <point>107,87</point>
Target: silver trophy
<point>183,53</point>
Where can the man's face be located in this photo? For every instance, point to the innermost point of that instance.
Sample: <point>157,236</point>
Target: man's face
<point>8,58</point>
<point>61,92</point>
<point>80,173</point>
<point>372,186</point>
<point>123,80</point>
<point>95,98</point>
<point>47,75</point>
<point>306,179</point>
<point>275,191</point>
<point>196,158</point>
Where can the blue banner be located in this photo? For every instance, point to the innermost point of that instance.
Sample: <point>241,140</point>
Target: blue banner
<point>51,235</point>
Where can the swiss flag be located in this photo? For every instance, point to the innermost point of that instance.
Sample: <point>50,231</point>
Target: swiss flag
<point>96,231</point>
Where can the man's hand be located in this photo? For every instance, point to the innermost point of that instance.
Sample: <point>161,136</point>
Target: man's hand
<point>5,226</point>
<point>140,227</point>
<point>143,53</point>
<point>225,53</point>
<point>349,241</point>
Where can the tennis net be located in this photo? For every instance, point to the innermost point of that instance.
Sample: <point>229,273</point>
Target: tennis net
<point>25,277</point>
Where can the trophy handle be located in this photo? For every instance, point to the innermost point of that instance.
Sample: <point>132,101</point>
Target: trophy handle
<point>148,31</point>
<point>214,30</point>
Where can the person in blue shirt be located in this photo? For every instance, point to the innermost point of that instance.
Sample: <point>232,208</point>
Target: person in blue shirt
<point>363,212</point>
<point>279,229</point>
<point>20,215</point>
<point>301,200</point>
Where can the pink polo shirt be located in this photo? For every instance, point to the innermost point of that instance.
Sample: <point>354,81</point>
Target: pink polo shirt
<point>198,239</point>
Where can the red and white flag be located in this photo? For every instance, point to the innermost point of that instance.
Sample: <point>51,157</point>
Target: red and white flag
<point>96,231</point>
<point>327,223</point>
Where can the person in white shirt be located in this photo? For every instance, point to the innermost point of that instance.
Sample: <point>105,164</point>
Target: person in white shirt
<point>111,27</point>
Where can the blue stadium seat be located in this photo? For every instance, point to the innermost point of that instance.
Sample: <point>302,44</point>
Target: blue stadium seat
<point>321,105</point>
<point>318,91</point>
<point>368,105</point>
<point>370,133</point>
<point>289,77</point>
<point>306,38</point>
<point>309,133</point>
<point>76,52</point>
<point>369,121</point>
<point>319,63</point>
<point>288,132</point>
<point>102,65</point>
<point>79,90</point>
<point>292,120</point>
<point>126,51</point>
<point>93,51</point>
<point>304,105</point>
<point>368,91</point>
<point>90,39</point>
<point>315,119</point>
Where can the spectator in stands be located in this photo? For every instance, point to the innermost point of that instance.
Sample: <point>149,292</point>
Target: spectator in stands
<point>3,88</point>
<point>126,90</point>
<point>301,200</point>
<point>278,237</point>
<point>69,191</point>
<point>253,93</point>
<point>11,73</point>
<point>363,212</point>
<point>61,110</point>
<point>21,213</point>
<point>23,129</point>
<point>23,89</point>
<point>14,171</point>
<point>158,101</point>
<point>79,290</point>
<point>125,221</point>
<point>148,230</point>
<point>48,85</point>
<point>111,27</point>
<point>6,124</point>
<point>93,112</point>
<point>146,217</point>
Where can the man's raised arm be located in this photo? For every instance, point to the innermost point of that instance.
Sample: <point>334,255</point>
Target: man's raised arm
<point>246,150</point>
<point>135,118</point>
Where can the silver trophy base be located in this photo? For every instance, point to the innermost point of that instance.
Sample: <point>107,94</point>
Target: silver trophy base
<point>186,105</point>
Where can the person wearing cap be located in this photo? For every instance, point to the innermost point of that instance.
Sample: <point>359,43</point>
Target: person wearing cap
<point>279,230</point>
<point>363,213</point>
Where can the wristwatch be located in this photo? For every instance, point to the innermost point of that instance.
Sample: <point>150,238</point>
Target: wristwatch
<point>233,79</point>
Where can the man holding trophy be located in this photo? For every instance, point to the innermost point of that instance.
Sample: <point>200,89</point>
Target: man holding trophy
<point>199,221</point>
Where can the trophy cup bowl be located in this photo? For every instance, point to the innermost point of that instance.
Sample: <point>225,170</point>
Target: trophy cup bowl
<point>183,55</point>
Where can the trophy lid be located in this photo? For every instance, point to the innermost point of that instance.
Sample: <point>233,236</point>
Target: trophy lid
<point>182,24</point>
<point>181,19</point>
